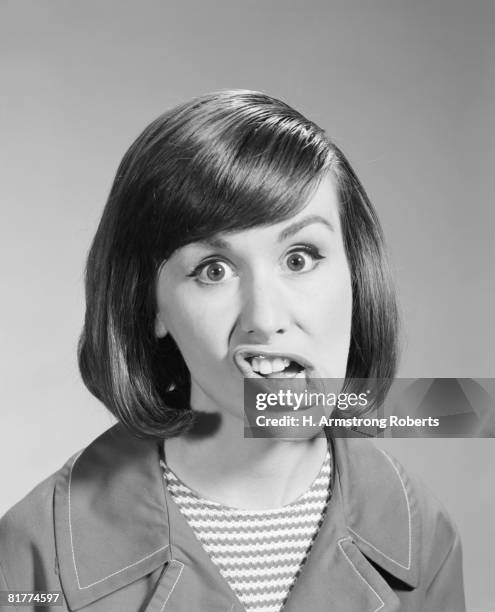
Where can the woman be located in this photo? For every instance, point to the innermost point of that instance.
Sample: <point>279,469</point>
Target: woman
<point>237,242</point>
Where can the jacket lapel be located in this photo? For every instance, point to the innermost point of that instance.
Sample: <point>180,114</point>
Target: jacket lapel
<point>379,508</point>
<point>200,585</point>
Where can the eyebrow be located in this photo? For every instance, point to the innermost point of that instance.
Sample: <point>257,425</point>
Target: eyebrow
<point>296,227</point>
<point>220,243</point>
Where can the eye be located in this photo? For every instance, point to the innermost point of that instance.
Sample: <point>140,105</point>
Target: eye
<point>303,258</point>
<point>212,272</point>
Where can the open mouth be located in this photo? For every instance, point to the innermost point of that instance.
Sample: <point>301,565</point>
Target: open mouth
<point>270,366</point>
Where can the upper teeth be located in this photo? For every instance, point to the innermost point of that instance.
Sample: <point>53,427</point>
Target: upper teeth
<point>268,365</point>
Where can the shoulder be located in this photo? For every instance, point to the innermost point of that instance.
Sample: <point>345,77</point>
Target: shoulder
<point>36,508</point>
<point>95,493</point>
<point>383,479</point>
<point>33,511</point>
<point>27,533</point>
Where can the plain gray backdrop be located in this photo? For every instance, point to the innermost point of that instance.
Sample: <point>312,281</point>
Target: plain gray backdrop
<point>406,88</point>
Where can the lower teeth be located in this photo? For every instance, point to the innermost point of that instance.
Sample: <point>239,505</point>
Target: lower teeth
<point>284,374</point>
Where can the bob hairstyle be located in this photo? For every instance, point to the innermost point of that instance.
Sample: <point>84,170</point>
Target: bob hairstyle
<point>222,162</point>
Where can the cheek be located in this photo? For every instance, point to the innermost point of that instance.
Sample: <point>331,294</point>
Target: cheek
<point>330,313</point>
<point>331,305</point>
<point>197,328</point>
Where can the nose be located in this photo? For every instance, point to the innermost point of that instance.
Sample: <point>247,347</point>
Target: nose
<point>264,310</point>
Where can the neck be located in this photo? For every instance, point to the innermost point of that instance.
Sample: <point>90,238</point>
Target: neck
<point>246,472</point>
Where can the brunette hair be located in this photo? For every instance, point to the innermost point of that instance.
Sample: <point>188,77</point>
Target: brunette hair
<point>225,161</point>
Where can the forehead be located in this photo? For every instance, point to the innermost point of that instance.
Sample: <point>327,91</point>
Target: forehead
<point>321,210</point>
<point>324,201</point>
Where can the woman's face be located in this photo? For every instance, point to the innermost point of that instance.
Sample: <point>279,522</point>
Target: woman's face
<point>281,292</point>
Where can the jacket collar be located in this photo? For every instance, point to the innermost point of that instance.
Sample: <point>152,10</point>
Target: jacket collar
<point>112,526</point>
<point>379,508</point>
<point>110,523</point>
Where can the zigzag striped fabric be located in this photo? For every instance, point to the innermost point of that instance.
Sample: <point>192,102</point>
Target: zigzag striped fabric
<point>260,553</point>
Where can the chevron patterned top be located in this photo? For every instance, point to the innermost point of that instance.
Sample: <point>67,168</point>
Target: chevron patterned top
<point>260,553</point>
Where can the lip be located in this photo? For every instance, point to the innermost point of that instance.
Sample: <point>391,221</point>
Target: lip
<point>244,366</point>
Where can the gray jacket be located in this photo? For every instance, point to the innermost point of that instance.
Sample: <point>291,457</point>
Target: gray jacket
<point>105,531</point>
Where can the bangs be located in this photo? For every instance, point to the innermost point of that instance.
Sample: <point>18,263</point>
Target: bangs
<point>244,167</point>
